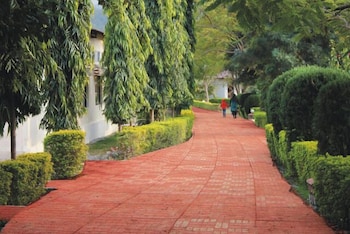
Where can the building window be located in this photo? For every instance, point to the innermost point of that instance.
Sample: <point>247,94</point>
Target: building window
<point>98,90</point>
<point>86,96</point>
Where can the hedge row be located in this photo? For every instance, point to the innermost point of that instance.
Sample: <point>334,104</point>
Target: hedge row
<point>146,138</point>
<point>330,173</point>
<point>69,152</point>
<point>311,103</point>
<point>23,180</point>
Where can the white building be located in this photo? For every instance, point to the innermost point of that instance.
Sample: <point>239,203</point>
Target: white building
<point>30,137</point>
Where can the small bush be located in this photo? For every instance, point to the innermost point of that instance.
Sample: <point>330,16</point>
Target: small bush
<point>304,156</point>
<point>332,187</point>
<point>45,167</point>
<point>271,141</point>
<point>260,118</point>
<point>331,123</point>
<point>69,152</point>
<point>24,181</point>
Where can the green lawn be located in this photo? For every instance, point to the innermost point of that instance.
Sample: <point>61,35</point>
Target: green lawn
<point>102,146</point>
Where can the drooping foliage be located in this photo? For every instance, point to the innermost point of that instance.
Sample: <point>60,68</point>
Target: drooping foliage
<point>23,57</point>
<point>170,64</point>
<point>69,45</point>
<point>125,54</point>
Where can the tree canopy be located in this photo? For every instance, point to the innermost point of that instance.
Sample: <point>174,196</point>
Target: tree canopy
<point>23,58</point>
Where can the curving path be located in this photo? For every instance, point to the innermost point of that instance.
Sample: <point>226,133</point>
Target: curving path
<point>220,181</point>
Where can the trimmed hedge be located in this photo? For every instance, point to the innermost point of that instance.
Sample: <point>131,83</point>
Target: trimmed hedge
<point>332,188</point>
<point>5,186</point>
<point>24,179</point>
<point>331,123</point>
<point>330,173</point>
<point>69,152</point>
<point>157,135</point>
<point>273,100</point>
<point>298,99</point>
<point>260,118</point>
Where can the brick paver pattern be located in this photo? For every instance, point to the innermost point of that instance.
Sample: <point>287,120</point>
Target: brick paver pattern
<point>220,181</point>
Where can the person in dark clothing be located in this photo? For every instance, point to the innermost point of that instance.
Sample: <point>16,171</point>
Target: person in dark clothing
<point>234,105</point>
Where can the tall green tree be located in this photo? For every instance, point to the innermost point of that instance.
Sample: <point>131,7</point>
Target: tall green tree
<point>23,58</point>
<point>306,19</point>
<point>166,66</point>
<point>124,57</point>
<point>70,28</point>
<point>213,32</point>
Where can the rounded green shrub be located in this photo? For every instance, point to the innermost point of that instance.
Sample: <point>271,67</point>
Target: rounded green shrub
<point>69,152</point>
<point>300,93</point>
<point>273,99</point>
<point>332,118</point>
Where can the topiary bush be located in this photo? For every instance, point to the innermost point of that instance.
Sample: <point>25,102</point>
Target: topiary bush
<point>332,189</point>
<point>24,181</point>
<point>273,99</point>
<point>300,93</point>
<point>69,152</point>
<point>45,167</point>
<point>331,123</point>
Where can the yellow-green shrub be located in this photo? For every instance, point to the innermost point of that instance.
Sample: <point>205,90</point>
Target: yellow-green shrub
<point>304,156</point>
<point>271,141</point>
<point>157,135</point>
<point>5,189</point>
<point>69,152</point>
<point>24,181</point>
<point>44,163</point>
<point>260,118</point>
<point>332,188</point>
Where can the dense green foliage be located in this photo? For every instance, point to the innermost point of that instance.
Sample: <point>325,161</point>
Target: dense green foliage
<point>27,177</point>
<point>330,173</point>
<point>273,100</point>
<point>124,57</point>
<point>5,186</point>
<point>24,56</point>
<point>146,138</point>
<point>69,46</point>
<point>69,152</point>
<point>332,186</point>
<point>331,125</point>
<point>299,95</point>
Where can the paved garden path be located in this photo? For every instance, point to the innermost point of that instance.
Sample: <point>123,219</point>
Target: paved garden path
<point>221,181</point>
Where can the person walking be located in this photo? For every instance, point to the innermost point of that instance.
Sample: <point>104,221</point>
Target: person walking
<point>223,106</point>
<point>233,105</point>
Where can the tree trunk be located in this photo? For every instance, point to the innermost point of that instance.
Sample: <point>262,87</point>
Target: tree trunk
<point>12,126</point>
<point>151,113</point>
<point>206,92</point>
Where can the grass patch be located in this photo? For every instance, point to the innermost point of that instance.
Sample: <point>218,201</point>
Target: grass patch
<point>102,146</point>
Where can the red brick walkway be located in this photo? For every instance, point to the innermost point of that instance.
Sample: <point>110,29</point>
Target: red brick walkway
<point>220,181</point>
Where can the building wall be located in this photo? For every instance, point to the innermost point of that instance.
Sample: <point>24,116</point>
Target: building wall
<point>220,88</point>
<point>30,138</point>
